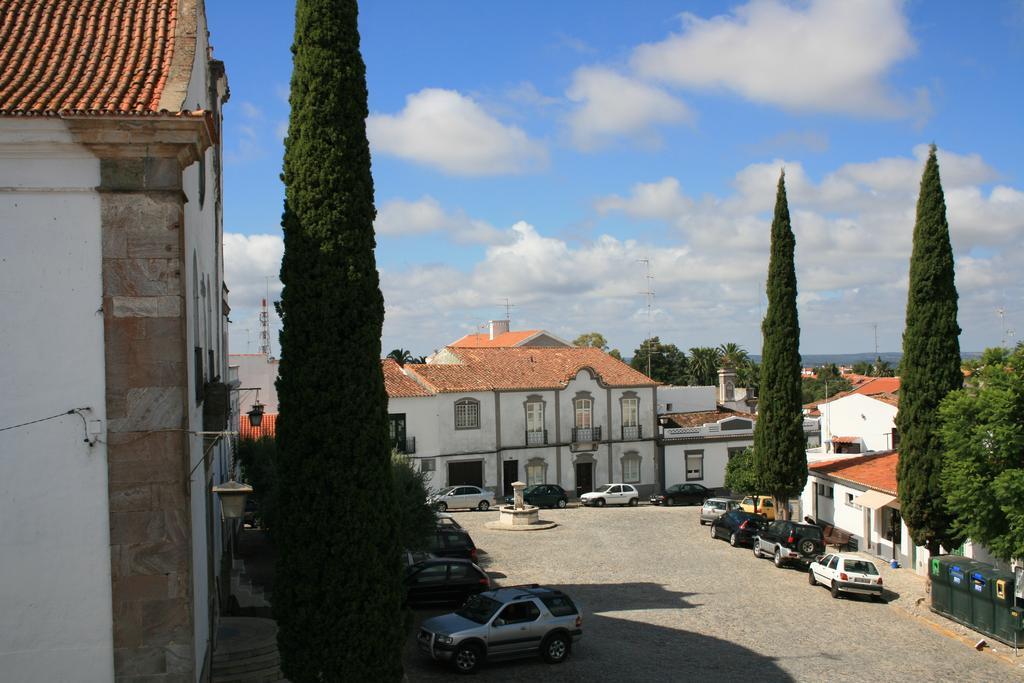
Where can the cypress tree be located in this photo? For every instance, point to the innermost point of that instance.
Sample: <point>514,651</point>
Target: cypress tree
<point>780,460</point>
<point>930,367</point>
<point>337,590</point>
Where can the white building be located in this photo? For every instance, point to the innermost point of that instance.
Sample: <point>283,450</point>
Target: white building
<point>862,420</point>
<point>113,344</point>
<point>562,415</point>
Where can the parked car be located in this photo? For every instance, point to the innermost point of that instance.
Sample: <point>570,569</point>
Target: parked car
<point>519,621</point>
<point>462,497</point>
<point>789,542</point>
<point>682,494</point>
<point>611,494</point>
<point>411,557</point>
<point>739,527</point>
<point>444,581</point>
<point>713,508</point>
<point>846,574</point>
<point>761,505</point>
<point>543,495</point>
<point>453,543</point>
<point>446,521</point>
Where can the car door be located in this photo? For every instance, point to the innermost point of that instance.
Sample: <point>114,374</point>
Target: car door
<point>513,629</point>
<point>833,569</point>
<point>427,585</point>
<point>819,568</point>
<point>461,497</point>
<point>629,493</point>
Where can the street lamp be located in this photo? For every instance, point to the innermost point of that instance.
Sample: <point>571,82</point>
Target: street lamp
<point>256,412</point>
<point>232,498</point>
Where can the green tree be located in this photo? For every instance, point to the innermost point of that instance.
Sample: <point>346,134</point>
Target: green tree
<point>740,476</point>
<point>594,340</point>
<point>402,356</point>
<point>667,363</point>
<point>416,519</point>
<point>780,458</point>
<point>733,355</point>
<point>258,458</point>
<point>616,354</point>
<point>862,367</point>
<point>930,367</point>
<point>819,388</point>
<point>748,374</point>
<point>982,429</point>
<point>704,363</point>
<point>882,368</point>
<point>338,588</point>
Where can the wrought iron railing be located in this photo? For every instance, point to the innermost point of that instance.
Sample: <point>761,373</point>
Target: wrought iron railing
<point>537,438</point>
<point>406,445</point>
<point>632,433</point>
<point>584,434</point>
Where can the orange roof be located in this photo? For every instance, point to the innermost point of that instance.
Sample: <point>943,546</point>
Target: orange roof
<point>489,369</point>
<point>884,389</point>
<point>876,470</point>
<point>397,383</point>
<point>87,56</point>
<point>484,341</point>
<point>845,439</point>
<point>267,428</point>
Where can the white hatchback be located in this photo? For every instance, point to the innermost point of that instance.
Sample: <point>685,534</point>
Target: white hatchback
<point>462,497</point>
<point>846,574</point>
<point>612,494</point>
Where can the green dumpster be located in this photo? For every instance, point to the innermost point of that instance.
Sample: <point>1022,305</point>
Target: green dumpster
<point>983,607</point>
<point>941,591</point>
<point>1009,613</point>
<point>960,582</point>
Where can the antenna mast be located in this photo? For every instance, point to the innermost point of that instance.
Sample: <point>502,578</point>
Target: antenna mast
<point>508,308</point>
<point>649,297</point>
<point>265,329</point>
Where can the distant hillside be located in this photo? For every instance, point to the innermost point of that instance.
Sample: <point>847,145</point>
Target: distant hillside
<point>816,359</point>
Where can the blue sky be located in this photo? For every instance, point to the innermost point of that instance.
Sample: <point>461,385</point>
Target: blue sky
<point>539,151</point>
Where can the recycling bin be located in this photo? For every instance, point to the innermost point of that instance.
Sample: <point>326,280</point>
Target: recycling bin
<point>982,583</point>
<point>960,572</point>
<point>1009,613</point>
<point>941,592</point>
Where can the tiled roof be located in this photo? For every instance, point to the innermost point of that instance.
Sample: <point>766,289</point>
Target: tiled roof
<point>524,368</point>
<point>483,341</point>
<point>703,417</point>
<point>267,428</point>
<point>86,56</point>
<point>845,439</point>
<point>884,389</point>
<point>396,382</point>
<point>876,470</point>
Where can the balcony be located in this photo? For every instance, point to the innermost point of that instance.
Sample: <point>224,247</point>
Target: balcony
<point>538,438</point>
<point>406,446</point>
<point>586,434</point>
<point>632,433</point>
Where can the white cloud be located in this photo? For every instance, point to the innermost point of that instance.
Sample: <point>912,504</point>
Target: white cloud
<point>819,55</point>
<point>661,199</point>
<point>426,215</point>
<point>249,260</point>
<point>612,105</point>
<point>449,131</point>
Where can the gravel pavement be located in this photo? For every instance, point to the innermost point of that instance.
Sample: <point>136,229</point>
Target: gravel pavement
<point>663,601</point>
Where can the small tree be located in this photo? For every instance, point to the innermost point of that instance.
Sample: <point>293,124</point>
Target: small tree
<point>982,429</point>
<point>593,340</point>
<point>929,369</point>
<point>740,476</point>
<point>258,458</point>
<point>780,458</point>
<point>416,519</point>
<point>665,362</point>
<point>704,363</point>
<point>402,356</point>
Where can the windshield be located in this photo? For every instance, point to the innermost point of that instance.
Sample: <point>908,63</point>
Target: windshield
<point>603,488</point>
<point>531,489</point>
<point>860,567</point>
<point>479,609</point>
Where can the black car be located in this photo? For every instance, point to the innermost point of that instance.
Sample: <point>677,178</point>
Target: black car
<point>444,581</point>
<point>543,495</point>
<point>452,543</point>
<point>789,542</point>
<point>682,494</point>
<point>738,527</point>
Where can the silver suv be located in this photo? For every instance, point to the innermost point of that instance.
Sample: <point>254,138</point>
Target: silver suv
<point>509,622</point>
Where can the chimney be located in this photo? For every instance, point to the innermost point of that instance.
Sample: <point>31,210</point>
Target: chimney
<point>498,327</point>
<point>726,385</point>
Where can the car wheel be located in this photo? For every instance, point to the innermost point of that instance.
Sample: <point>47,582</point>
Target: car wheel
<point>467,658</point>
<point>807,547</point>
<point>810,577</point>
<point>484,506</point>
<point>669,502</point>
<point>561,503</point>
<point>757,549</point>
<point>599,502</point>
<point>633,502</point>
<point>733,541</point>
<point>835,589</point>
<point>555,649</point>
<point>714,531</point>
<point>442,506</point>
<point>778,558</point>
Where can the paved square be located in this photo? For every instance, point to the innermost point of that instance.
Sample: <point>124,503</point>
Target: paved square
<point>663,601</point>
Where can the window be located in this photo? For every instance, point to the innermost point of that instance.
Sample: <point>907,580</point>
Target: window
<point>821,489</point>
<point>432,574</point>
<point>535,421</point>
<point>427,465</point>
<point>849,500</point>
<point>631,467</point>
<point>535,473</point>
<point>630,418</point>
<point>519,613</point>
<point>834,562</point>
<point>584,413</point>
<point>694,465</point>
<point>467,414</point>
<point>830,493</point>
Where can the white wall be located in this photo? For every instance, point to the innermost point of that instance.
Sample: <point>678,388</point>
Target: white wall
<point>55,593</point>
<point>716,457</point>
<point>686,399</point>
<point>859,416</point>
<point>255,370</point>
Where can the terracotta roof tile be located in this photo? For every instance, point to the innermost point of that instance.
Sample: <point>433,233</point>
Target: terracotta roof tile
<point>85,56</point>
<point>398,384</point>
<point>267,428</point>
<point>845,439</point>
<point>483,341</point>
<point>524,368</point>
<point>698,418</point>
<point>885,389</point>
<point>876,470</point>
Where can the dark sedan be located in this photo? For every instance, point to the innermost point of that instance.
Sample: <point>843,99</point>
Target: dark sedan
<point>543,496</point>
<point>682,494</point>
<point>738,527</point>
<point>444,581</point>
<point>450,542</point>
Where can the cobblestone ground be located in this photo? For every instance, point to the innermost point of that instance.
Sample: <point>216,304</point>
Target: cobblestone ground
<point>662,601</point>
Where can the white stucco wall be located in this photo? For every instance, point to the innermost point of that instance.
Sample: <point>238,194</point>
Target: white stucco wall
<point>255,370</point>
<point>859,416</point>
<point>55,593</point>
<point>716,457</point>
<point>686,399</point>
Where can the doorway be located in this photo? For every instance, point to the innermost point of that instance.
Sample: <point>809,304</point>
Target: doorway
<point>466,473</point>
<point>584,478</point>
<point>509,474</point>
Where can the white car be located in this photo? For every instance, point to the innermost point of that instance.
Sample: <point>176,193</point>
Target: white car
<point>846,574</point>
<point>462,497</point>
<point>612,494</point>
